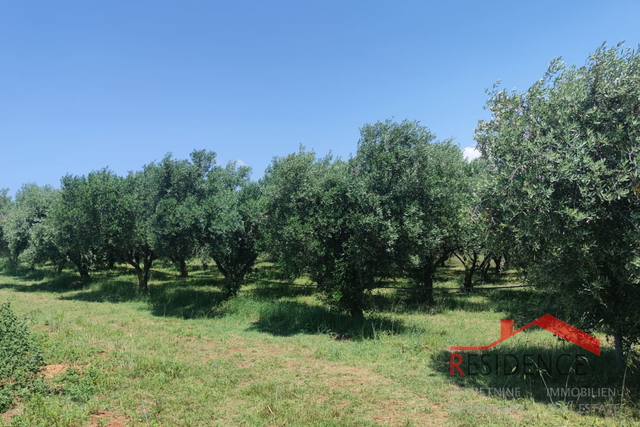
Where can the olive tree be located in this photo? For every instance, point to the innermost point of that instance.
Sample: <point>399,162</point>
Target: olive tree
<point>475,247</point>
<point>87,219</point>
<point>322,221</point>
<point>177,189</point>
<point>565,159</point>
<point>138,203</point>
<point>233,228</point>
<point>75,228</point>
<point>164,213</point>
<point>290,186</point>
<point>27,226</point>
<point>422,188</point>
<point>352,239</point>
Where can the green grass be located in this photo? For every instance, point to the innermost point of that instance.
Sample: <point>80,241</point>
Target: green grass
<point>183,355</point>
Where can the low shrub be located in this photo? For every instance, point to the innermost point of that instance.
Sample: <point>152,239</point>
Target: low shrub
<point>20,358</point>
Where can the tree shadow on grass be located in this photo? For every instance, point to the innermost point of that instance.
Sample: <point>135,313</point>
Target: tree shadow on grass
<point>412,301</point>
<point>448,274</point>
<point>276,290</point>
<point>186,302</point>
<point>161,276</point>
<point>287,318</point>
<point>198,281</point>
<point>473,302</point>
<point>170,299</point>
<point>551,376</point>
<point>116,270</point>
<point>169,276</point>
<point>38,274</point>
<point>265,272</point>
<point>58,283</point>
<point>526,304</point>
<point>186,299</point>
<point>107,291</point>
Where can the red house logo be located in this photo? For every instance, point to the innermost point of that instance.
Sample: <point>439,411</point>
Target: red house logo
<point>551,324</point>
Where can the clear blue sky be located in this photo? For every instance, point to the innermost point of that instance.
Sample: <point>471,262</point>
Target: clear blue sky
<point>90,84</point>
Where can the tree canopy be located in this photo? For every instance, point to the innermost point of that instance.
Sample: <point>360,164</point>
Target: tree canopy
<point>27,227</point>
<point>565,162</point>
<point>422,187</point>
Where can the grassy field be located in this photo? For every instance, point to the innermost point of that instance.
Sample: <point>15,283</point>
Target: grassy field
<point>274,356</point>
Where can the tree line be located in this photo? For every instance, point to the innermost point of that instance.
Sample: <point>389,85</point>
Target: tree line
<point>556,193</point>
<point>395,209</point>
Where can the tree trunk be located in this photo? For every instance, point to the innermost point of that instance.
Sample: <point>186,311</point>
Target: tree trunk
<point>142,279</point>
<point>498,261</point>
<point>143,271</point>
<point>148,261</point>
<point>616,298</point>
<point>356,312</point>
<point>221,268</point>
<point>484,268</point>
<point>424,279</point>
<point>84,271</point>
<point>468,278</point>
<point>231,286</point>
<point>617,339</point>
<point>470,267</point>
<point>82,267</point>
<point>183,268</point>
<point>442,262</point>
<point>428,288</point>
<point>136,266</point>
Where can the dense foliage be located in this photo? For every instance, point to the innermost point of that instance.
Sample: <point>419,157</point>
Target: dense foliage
<point>27,228</point>
<point>232,219</point>
<point>565,167</point>
<point>395,209</point>
<point>422,188</point>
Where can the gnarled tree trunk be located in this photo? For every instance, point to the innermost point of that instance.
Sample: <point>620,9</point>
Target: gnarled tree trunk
<point>82,267</point>
<point>142,271</point>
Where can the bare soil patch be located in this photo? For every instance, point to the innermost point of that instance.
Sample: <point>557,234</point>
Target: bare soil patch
<point>7,417</point>
<point>108,419</point>
<point>51,371</point>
